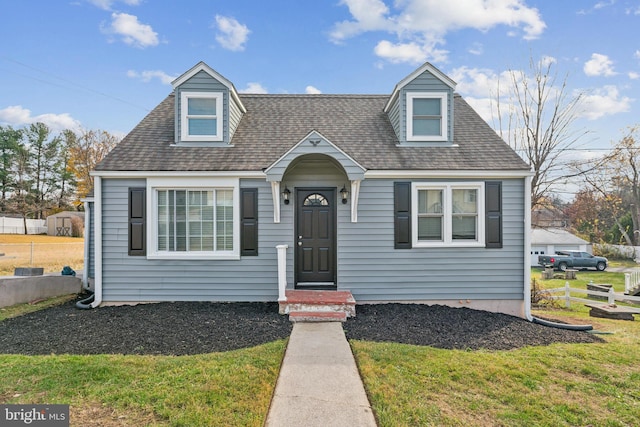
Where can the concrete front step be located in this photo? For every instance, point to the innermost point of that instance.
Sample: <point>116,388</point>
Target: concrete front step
<point>317,316</point>
<point>318,305</point>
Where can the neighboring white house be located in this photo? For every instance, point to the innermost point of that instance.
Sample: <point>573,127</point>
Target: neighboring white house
<point>546,241</point>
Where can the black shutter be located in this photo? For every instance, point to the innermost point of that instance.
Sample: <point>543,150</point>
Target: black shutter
<point>249,221</point>
<point>402,215</point>
<point>137,221</point>
<point>493,208</point>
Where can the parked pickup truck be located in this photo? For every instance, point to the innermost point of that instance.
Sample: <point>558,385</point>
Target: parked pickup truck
<point>572,259</point>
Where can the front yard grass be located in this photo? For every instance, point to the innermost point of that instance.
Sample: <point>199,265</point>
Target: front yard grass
<point>231,388</point>
<point>557,385</point>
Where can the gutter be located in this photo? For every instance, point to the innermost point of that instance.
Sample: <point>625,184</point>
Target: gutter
<point>527,249</point>
<point>97,227</point>
<point>87,244</point>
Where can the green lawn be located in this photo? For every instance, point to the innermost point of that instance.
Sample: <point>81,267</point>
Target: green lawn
<point>582,278</point>
<point>557,385</point>
<point>231,389</point>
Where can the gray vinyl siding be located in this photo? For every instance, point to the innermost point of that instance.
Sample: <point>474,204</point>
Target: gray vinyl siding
<point>426,82</point>
<point>235,115</point>
<point>203,82</point>
<point>135,278</point>
<point>394,118</point>
<point>373,270</point>
<point>368,264</point>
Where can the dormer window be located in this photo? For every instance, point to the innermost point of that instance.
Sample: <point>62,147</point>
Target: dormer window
<point>427,116</point>
<point>201,116</point>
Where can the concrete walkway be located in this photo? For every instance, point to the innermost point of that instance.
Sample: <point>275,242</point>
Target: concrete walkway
<point>319,383</point>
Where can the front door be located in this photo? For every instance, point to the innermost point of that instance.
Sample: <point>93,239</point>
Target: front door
<point>315,238</point>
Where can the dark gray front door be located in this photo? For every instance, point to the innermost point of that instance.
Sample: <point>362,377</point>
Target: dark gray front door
<point>315,238</point>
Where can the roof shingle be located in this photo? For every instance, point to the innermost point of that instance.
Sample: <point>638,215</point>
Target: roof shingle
<point>275,123</point>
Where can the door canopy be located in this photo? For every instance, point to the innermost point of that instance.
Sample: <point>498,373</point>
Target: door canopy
<point>315,143</point>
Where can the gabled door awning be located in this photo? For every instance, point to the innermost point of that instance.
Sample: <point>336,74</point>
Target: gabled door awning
<point>315,143</point>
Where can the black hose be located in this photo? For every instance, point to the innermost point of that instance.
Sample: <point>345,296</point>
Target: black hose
<point>85,304</point>
<point>562,325</point>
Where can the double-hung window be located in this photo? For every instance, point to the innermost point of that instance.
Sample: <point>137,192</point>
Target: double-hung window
<point>201,116</point>
<point>448,214</point>
<point>427,116</point>
<point>194,222</point>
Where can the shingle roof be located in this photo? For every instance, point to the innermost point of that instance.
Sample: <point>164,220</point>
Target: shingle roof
<point>557,236</point>
<point>275,123</point>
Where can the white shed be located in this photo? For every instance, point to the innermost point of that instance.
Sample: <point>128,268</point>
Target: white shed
<point>545,241</point>
<point>62,224</point>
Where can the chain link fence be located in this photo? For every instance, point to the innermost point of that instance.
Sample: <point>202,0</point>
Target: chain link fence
<point>50,256</point>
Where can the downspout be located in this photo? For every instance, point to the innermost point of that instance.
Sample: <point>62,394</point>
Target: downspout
<point>87,244</point>
<point>527,248</point>
<point>97,227</point>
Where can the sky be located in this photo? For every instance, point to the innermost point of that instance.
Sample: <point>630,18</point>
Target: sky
<point>105,64</point>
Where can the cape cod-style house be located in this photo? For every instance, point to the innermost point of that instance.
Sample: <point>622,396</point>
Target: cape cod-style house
<point>223,196</point>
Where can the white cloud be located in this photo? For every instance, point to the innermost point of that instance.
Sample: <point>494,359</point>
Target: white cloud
<point>480,82</point>
<point>547,60</point>
<point>401,52</point>
<point>131,30</point>
<point>604,102</point>
<point>637,54</point>
<point>311,90</point>
<point>253,87</point>
<point>421,25</point>
<point>476,49</point>
<point>107,4</point>
<point>147,75</point>
<point>633,75</point>
<point>599,65</point>
<point>232,35</point>
<point>369,15</point>
<point>16,115</point>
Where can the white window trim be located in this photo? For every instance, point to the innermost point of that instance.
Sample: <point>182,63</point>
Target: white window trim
<point>444,124</point>
<point>210,183</point>
<point>447,215</point>
<point>184,120</point>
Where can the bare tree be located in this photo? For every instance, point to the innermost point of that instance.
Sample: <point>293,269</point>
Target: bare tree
<point>617,177</point>
<point>540,113</point>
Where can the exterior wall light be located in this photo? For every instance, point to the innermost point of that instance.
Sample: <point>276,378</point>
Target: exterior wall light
<point>285,195</point>
<point>344,193</point>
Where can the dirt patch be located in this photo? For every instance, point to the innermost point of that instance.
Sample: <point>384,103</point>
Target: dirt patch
<point>98,415</point>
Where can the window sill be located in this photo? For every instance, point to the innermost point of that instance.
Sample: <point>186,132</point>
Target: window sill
<point>420,245</point>
<point>193,257</point>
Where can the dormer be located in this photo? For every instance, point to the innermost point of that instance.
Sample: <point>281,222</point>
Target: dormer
<point>421,108</point>
<point>207,108</point>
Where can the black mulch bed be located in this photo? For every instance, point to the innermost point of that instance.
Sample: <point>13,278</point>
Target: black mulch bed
<point>454,328</point>
<point>199,327</point>
<point>179,328</point>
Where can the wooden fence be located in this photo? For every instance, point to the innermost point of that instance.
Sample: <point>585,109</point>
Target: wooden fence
<point>631,280</point>
<point>611,296</point>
